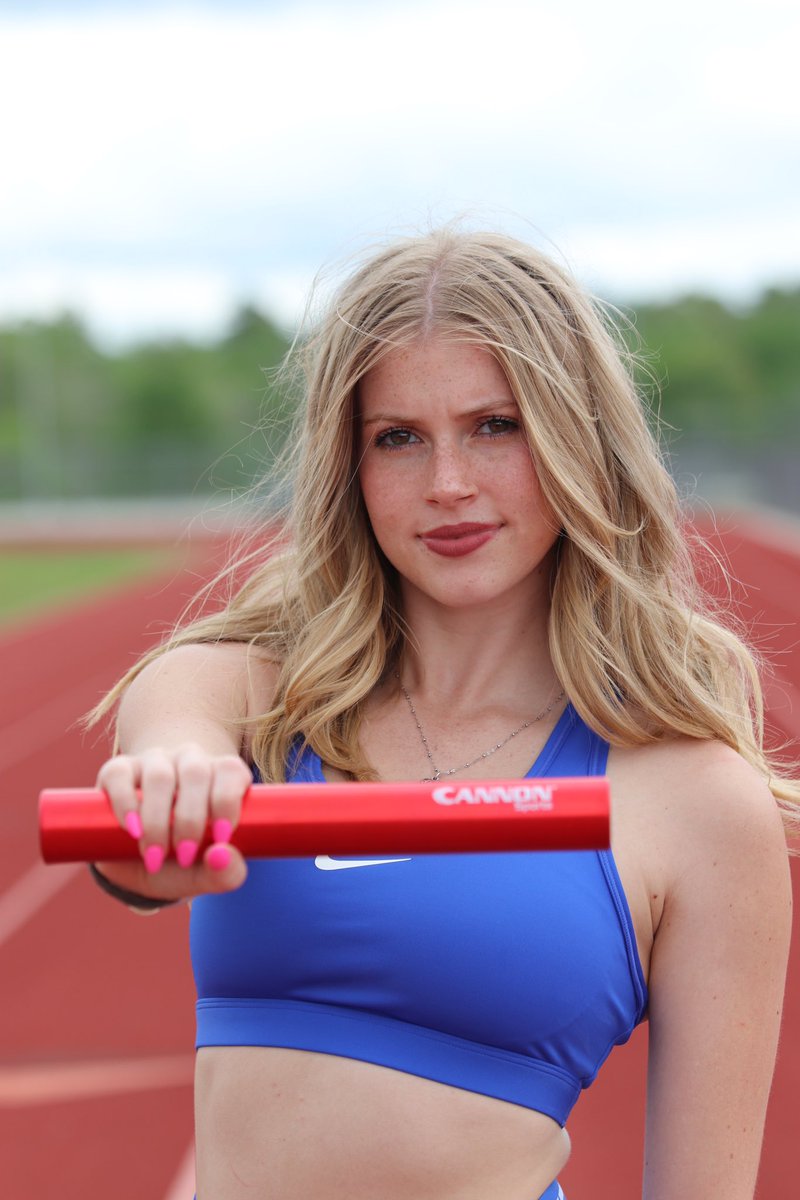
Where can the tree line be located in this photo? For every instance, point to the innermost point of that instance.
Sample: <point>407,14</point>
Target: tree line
<point>173,417</point>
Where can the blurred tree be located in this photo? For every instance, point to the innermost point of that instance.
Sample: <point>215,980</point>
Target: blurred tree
<point>709,383</point>
<point>771,337</point>
<point>175,417</point>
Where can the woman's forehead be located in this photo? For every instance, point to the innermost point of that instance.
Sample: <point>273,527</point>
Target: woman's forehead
<point>433,365</point>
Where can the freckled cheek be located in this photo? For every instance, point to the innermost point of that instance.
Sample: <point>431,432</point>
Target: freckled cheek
<point>384,498</point>
<point>523,477</point>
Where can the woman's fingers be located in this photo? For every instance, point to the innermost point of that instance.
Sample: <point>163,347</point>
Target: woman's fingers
<point>119,778</point>
<point>208,790</point>
<point>179,793</point>
<point>158,786</point>
<point>191,809</point>
<point>231,779</point>
<point>223,869</point>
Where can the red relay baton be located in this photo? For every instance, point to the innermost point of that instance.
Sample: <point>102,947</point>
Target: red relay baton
<point>299,820</point>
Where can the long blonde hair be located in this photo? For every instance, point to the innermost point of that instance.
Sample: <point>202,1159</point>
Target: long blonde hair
<point>633,639</point>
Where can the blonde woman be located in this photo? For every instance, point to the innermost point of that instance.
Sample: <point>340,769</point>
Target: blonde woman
<point>485,576</point>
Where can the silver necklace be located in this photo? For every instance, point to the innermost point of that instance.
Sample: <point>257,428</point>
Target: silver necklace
<point>437,773</point>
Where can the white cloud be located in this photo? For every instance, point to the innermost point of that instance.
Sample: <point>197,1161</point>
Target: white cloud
<point>661,259</point>
<point>122,302</point>
<point>245,148</point>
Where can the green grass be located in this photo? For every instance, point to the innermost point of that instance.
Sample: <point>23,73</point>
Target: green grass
<point>33,581</point>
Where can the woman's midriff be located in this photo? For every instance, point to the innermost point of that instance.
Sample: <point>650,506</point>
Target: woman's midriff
<point>275,1124</point>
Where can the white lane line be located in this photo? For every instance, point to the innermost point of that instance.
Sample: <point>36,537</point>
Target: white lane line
<point>55,1083</point>
<point>42,726</point>
<point>27,736</point>
<point>24,898</point>
<point>182,1186</point>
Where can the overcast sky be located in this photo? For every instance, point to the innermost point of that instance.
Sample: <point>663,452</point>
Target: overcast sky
<point>161,162</point>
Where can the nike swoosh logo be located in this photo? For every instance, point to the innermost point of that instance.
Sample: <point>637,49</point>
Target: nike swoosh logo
<point>337,864</point>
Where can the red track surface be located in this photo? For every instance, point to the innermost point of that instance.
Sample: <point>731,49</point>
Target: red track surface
<point>97,1031</point>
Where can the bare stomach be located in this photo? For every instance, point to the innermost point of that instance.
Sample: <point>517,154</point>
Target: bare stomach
<point>276,1124</point>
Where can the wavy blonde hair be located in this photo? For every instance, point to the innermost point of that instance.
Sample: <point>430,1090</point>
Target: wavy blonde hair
<point>633,639</point>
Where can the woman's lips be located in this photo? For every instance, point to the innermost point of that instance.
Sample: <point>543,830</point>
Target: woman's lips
<point>454,541</point>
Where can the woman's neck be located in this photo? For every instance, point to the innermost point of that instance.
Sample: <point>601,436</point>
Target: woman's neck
<point>475,657</point>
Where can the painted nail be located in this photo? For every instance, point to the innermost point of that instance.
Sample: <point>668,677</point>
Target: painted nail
<point>218,858</point>
<point>185,852</point>
<point>153,859</point>
<point>221,830</point>
<point>133,824</point>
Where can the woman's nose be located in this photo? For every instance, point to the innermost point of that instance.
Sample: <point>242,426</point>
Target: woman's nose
<point>450,476</point>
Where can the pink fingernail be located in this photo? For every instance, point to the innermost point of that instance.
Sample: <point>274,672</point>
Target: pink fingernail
<point>185,852</point>
<point>153,859</point>
<point>218,858</point>
<point>133,824</point>
<point>221,830</point>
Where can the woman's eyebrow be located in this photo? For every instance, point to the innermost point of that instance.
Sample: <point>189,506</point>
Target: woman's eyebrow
<point>405,419</point>
<point>376,420</point>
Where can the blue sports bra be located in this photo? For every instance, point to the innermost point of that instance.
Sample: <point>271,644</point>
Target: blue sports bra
<point>512,974</point>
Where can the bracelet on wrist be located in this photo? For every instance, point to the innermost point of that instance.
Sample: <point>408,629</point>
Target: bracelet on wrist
<point>132,899</point>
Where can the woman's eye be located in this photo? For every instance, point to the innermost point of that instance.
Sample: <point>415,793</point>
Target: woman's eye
<point>495,426</point>
<point>395,439</point>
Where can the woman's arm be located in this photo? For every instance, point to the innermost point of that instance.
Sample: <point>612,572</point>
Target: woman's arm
<point>180,729</point>
<point>717,978</point>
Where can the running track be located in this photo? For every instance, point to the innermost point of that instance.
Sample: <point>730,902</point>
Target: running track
<point>97,1030</point>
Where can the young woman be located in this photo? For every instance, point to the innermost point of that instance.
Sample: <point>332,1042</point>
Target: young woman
<point>484,576</point>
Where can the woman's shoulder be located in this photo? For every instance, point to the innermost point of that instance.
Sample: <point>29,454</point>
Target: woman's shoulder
<point>697,833</point>
<point>698,801</point>
<point>233,678</point>
<point>203,659</point>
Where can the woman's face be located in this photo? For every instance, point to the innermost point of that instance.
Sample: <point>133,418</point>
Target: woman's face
<point>447,476</point>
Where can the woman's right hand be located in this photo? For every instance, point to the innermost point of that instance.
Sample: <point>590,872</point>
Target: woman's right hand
<point>182,791</point>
